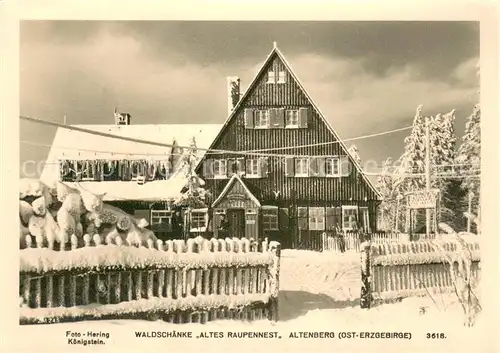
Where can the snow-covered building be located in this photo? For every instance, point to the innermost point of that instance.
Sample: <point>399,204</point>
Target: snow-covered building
<point>141,179</point>
<point>294,178</point>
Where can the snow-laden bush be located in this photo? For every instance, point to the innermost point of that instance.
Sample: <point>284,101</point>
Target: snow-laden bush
<point>465,285</point>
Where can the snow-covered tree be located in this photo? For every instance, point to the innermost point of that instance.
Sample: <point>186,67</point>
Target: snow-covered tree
<point>469,156</point>
<point>194,193</point>
<point>386,186</point>
<point>442,142</point>
<point>354,152</point>
<point>412,159</point>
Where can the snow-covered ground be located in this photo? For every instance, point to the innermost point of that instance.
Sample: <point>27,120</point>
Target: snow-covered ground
<point>318,292</point>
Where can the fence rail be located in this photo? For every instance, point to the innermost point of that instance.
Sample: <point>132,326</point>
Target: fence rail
<point>180,281</point>
<point>345,241</point>
<point>397,270</point>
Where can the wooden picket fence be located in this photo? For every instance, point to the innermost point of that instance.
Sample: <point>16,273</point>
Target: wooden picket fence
<point>353,240</point>
<point>179,281</point>
<point>398,270</point>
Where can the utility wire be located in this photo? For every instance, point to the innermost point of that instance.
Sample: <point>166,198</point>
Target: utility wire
<point>212,151</point>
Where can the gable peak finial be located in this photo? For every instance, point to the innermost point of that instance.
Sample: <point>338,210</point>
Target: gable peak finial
<point>275,45</point>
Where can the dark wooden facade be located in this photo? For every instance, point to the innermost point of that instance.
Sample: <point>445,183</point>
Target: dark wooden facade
<point>277,187</point>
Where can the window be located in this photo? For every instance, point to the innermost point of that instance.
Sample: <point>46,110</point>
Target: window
<point>292,118</point>
<point>349,217</point>
<point>220,168</point>
<point>270,218</point>
<point>316,218</point>
<point>161,217</point>
<point>365,219</point>
<point>261,118</point>
<point>271,77</point>
<point>252,169</point>
<point>281,77</point>
<point>301,167</point>
<point>332,167</point>
<point>198,220</point>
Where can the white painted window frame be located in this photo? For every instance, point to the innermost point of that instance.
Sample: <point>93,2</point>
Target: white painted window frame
<point>254,164</point>
<point>270,217</point>
<point>330,161</point>
<point>204,213</point>
<point>295,112</point>
<point>271,77</point>
<point>281,77</point>
<point>161,214</point>
<point>259,116</point>
<point>221,169</point>
<point>298,162</point>
<point>344,209</point>
<point>317,218</point>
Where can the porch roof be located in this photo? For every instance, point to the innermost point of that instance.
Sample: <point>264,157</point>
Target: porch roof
<point>235,178</point>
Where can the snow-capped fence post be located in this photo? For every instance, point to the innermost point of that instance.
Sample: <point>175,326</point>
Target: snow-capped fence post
<point>274,280</point>
<point>72,290</point>
<point>86,240</point>
<point>38,292</point>
<point>39,241</point>
<point>29,241</point>
<point>74,242</point>
<point>49,286</point>
<point>60,291</point>
<point>366,293</point>
<point>26,282</point>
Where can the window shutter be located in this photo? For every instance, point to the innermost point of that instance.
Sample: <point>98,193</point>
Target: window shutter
<point>273,114</point>
<point>240,164</point>
<point>224,167</point>
<point>313,166</point>
<point>330,218</point>
<point>345,166</point>
<point>248,117</point>
<point>208,168</point>
<point>321,162</point>
<point>303,117</point>
<point>302,219</point>
<point>263,167</point>
<point>338,217</point>
<point>280,117</point>
<point>289,166</point>
<point>283,219</point>
<point>248,166</point>
<point>231,167</point>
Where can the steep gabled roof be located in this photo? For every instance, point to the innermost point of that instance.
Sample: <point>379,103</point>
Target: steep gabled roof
<point>276,51</point>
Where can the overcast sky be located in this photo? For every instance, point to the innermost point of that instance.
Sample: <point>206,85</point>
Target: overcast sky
<point>366,77</point>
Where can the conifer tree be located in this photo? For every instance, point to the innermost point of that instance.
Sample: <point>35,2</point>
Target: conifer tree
<point>469,157</point>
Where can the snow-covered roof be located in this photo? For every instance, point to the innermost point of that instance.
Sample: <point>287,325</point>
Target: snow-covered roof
<point>77,145</point>
<point>229,185</point>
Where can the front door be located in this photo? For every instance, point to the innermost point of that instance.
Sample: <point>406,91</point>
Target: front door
<point>236,218</point>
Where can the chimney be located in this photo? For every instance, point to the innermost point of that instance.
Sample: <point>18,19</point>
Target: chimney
<point>233,92</point>
<point>122,118</point>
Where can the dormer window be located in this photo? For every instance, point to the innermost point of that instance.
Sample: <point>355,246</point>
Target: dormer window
<point>271,77</point>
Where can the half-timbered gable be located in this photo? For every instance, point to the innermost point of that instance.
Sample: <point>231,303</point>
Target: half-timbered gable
<point>275,114</point>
